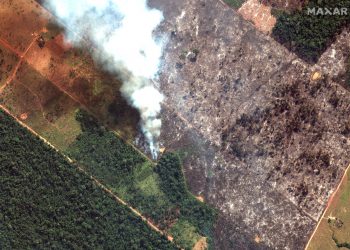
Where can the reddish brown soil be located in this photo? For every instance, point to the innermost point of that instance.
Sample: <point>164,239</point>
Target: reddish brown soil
<point>259,14</point>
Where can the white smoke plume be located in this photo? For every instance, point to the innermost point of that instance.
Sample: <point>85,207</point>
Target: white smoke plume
<point>122,32</point>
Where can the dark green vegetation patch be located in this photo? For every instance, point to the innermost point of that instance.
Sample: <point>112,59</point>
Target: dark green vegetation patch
<point>172,182</point>
<point>236,4</point>
<point>309,32</point>
<point>341,244</point>
<point>158,192</point>
<point>47,203</point>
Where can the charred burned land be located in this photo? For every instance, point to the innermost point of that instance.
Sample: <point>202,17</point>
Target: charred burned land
<point>241,141</point>
<point>274,128</point>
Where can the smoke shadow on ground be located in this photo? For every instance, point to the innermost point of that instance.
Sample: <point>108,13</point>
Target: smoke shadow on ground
<point>123,115</point>
<point>92,84</point>
<point>109,105</point>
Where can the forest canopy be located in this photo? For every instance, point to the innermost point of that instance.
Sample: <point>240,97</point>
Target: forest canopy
<point>159,191</point>
<point>45,202</point>
<point>309,34</point>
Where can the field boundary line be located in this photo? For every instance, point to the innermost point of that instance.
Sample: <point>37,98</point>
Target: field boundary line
<point>21,57</point>
<point>328,206</point>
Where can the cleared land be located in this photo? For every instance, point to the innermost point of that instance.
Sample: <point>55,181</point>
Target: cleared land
<point>259,14</point>
<point>271,144</point>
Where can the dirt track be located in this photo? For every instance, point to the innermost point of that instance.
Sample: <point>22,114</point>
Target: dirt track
<point>20,55</point>
<point>22,58</point>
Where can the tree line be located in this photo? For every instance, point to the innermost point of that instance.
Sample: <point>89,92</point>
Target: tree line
<point>45,202</point>
<point>309,34</point>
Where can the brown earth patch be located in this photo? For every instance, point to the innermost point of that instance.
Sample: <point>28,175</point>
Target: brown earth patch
<point>259,14</point>
<point>201,244</point>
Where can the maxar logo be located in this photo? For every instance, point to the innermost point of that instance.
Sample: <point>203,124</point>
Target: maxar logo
<point>327,11</point>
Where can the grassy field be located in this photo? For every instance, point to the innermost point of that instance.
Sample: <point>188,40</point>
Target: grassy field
<point>46,203</point>
<point>42,106</point>
<point>334,229</point>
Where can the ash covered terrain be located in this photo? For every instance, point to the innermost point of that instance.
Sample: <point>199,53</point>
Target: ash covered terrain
<point>268,134</point>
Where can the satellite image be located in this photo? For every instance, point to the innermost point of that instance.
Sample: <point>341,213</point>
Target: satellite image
<point>175,124</point>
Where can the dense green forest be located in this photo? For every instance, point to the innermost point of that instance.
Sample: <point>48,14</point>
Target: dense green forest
<point>46,203</point>
<point>173,184</point>
<point>158,192</point>
<point>309,35</point>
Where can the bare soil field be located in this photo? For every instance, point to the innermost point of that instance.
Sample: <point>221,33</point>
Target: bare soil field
<point>71,70</point>
<point>16,22</point>
<point>259,14</point>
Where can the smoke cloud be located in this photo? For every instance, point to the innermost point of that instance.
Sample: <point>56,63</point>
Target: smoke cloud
<point>122,32</point>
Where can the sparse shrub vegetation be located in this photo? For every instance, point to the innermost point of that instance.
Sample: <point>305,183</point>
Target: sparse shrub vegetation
<point>342,244</point>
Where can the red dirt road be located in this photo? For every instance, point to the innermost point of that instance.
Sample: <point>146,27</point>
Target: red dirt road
<point>21,56</point>
<point>96,181</point>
